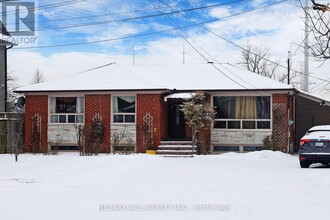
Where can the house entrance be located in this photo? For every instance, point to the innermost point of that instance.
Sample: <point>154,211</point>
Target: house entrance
<point>176,124</point>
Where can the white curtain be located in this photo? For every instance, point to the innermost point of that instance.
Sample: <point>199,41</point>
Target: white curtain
<point>52,105</point>
<point>80,104</point>
<point>115,104</point>
<point>246,107</point>
<point>130,99</point>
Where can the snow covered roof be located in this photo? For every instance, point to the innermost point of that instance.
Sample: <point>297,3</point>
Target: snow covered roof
<point>161,77</point>
<point>6,41</point>
<point>314,97</point>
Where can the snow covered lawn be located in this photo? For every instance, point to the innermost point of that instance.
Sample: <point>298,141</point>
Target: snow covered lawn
<point>258,185</point>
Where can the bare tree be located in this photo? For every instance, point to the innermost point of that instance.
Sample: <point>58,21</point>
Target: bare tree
<point>38,77</point>
<point>256,59</point>
<point>318,22</point>
<point>11,96</point>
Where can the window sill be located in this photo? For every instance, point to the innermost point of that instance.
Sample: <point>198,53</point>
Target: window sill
<point>225,129</point>
<point>123,123</point>
<point>50,123</point>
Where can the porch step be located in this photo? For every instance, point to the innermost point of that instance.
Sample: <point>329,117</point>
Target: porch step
<point>176,156</point>
<point>175,142</point>
<point>175,150</point>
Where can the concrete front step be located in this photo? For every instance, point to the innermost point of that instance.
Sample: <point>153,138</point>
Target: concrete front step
<point>175,147</point>
<point>175,142</point>
<point>176,156</point>
<point>174,152</point>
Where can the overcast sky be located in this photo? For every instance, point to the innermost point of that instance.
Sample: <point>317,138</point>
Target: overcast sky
<point>76,35</point>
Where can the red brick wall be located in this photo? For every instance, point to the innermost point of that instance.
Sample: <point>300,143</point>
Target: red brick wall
<point>206,134</point>
<point>292,137</point>
<point>36,104</point>
<point>280,121</point>
<point>149,103</point>
<point>164,131</point>
<point>99,104</point>
<point>188,132</point>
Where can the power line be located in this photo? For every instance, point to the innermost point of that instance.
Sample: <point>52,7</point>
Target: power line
<point>245,48</point>
<point>111,14</point>
<point>211,57</point>
<point>211,63</point>
<point>42,7</point>
<point>135,18</point>
<point>273,62</point>
<point>304,40</point>
<point>42,28</point>
<point>146,34</point>
<point>98,67</point>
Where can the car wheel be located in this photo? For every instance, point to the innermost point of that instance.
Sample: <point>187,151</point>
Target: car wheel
<point>304,164</point>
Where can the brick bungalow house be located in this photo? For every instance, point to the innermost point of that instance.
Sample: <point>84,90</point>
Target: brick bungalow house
<point>249,107</point>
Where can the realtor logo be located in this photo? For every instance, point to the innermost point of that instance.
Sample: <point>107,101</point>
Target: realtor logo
<point>19,18</point>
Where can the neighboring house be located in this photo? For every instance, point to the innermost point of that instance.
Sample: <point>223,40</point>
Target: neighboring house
<point>4,46</point>
<point>310,110</point>
<point>249,107</point>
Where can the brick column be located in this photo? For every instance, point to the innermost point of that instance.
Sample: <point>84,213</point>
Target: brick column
<point>280,121</point>
<point>36,104</point>
<point>99,104</point>
<point>205,134</point>
<point>149,103</point>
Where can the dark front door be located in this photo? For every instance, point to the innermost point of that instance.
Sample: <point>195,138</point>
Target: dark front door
<point>176,122</point>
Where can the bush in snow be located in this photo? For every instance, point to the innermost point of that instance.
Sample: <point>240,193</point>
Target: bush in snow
<point>199,115</point>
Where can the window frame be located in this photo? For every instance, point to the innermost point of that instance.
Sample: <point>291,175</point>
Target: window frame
<point>270,120</point>
<point>124,113</point>
<point>66,114</point>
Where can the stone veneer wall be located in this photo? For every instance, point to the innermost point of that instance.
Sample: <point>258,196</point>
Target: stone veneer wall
<point>66,134</point>
<point>129,129</point>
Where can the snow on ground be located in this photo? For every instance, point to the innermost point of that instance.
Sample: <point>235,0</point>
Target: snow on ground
<point>258,185</point>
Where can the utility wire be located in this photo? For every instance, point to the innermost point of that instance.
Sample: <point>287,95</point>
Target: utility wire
<point>304,41</point>
<point>211,63</point>
<point>242,48</point>
<point>42,7</point>
<point>213,58</point>
<point>98,67</point>
<point>146,34</point>
<point>117,13</point>
<point>250,51</point>
<point>134,18</point>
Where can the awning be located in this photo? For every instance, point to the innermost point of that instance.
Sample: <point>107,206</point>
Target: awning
<point>185,96</point>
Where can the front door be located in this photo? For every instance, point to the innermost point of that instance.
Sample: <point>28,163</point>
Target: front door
<point>176,122</point>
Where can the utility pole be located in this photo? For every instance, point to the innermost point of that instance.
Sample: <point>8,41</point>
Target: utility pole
<point>183,54</point>
<point>289,67</point>
<point>306,66</point>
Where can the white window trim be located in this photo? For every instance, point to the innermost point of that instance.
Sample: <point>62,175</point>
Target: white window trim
<point>241,129</point>
<point>112,114</point>
<point>65,95</point>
